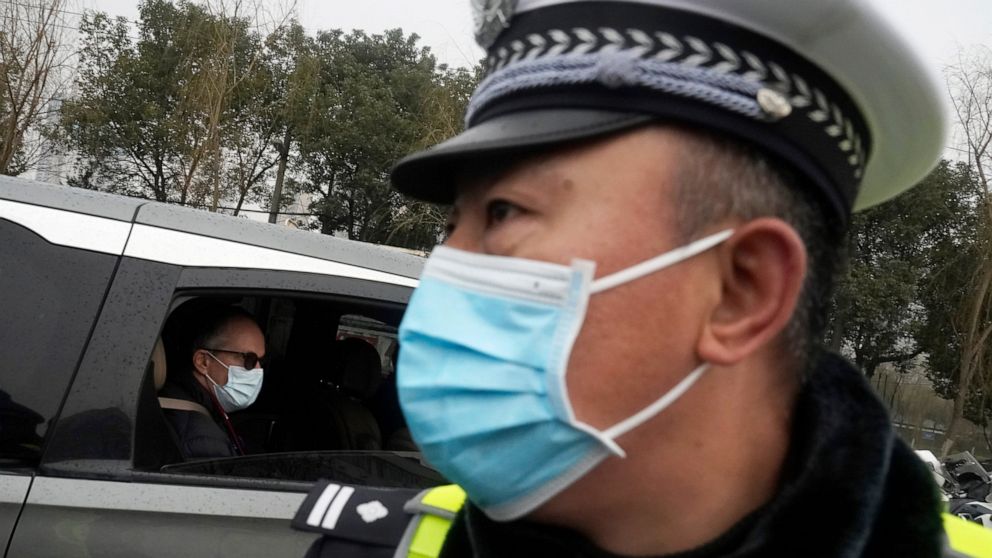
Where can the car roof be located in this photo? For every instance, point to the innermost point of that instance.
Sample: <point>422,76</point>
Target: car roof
<point>77,200</point>
<point>212,225</point>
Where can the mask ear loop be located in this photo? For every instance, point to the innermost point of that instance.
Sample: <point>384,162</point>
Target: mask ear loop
<point>637,271</point>
<point>232,433</point>
<point>219,361</point>
<point>658,406</point>
<point>658,263</point>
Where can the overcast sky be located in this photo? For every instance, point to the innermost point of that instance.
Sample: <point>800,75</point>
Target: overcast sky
<point>446,25</point>
<point>943,27</point>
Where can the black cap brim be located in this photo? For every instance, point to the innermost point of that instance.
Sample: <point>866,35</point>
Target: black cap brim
<point>427,175</point>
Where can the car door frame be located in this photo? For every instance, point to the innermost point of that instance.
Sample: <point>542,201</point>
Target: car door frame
<point>108,384</point>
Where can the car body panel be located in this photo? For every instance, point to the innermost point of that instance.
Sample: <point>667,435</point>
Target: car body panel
<point>203,224</point>
<point>13,491</point>
<point>193,250</point>
<point>140,519</point>
<point>65,228</point>
<point>76,200</point>
<point>284,239</point>
<point>51,297</point>
<point>98,416</point>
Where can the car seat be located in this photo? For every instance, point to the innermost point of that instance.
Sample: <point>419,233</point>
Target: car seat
<point>155,442</point>
<point>159,369</point>
<point>352,379</point>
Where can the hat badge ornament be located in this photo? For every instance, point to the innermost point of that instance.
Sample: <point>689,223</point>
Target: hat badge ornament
<point>775,105</point>
<point>491,17</point>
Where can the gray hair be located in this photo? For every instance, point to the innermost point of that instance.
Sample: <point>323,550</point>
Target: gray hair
<point>719,178</point>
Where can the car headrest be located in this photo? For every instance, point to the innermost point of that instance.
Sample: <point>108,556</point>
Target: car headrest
<point>357,369</point>
<point>158,363</point>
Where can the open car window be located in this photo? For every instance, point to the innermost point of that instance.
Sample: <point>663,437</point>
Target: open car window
<point>327,407</point>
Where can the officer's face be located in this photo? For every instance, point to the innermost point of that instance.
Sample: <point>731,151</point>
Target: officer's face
<point>610,202</point>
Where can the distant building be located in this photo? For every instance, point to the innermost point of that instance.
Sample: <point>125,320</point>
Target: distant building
<point>51,166</point>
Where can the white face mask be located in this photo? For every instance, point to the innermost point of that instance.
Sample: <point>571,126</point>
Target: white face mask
<point>241,389</point>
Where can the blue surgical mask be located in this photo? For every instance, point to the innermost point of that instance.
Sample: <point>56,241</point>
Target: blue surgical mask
<point>241,389</point>
<point>485,344</point>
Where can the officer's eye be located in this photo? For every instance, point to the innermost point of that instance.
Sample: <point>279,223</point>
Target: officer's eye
<point>450,222</point>
<point>498,211</point>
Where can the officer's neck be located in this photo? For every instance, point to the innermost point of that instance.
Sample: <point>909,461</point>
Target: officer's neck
<point>691,473</point>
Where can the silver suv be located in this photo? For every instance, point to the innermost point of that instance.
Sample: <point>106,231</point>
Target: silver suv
<point>88,464</point>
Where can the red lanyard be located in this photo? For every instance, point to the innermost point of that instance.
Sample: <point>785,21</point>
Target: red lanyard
<point>227,422</point>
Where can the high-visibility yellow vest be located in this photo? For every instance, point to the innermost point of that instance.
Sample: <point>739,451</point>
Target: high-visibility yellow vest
<point>966,539</point>
<point>435,508</point>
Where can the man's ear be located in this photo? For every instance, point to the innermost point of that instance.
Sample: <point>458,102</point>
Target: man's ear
<point>762,267</point>
<point>201,361</point>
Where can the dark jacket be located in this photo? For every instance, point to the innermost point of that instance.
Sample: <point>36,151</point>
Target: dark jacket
<point>850,489</point>
<point>200,436</point>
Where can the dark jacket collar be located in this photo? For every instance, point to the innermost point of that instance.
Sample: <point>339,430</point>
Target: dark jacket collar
<point>850,489</point>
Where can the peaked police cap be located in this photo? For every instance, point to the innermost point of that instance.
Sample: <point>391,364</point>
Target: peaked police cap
<point>828,87</point>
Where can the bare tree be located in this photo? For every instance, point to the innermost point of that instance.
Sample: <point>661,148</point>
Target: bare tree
<point>217,74</point>
<point>33,56</point>
<point>970,87</point>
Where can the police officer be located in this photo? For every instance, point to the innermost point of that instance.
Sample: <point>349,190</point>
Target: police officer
<point>614,352</point>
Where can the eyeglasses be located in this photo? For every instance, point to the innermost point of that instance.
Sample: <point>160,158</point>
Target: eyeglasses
<point>250,359</point>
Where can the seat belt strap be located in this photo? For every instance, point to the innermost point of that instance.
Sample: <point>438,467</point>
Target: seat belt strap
<point>433,511</point>
<point>966,539</point>
<point>182,405</point>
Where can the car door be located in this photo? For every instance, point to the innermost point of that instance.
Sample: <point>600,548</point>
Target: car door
<point>92,497</point>
<point>13,491</point>
<point>55,266</point>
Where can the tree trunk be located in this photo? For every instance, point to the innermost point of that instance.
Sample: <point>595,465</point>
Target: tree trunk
<point>836,341</point>
<point>215,178</point>
<point>160,186</point>
<point>276,203</point>
<point>973,351</point>
<point>948,445</point>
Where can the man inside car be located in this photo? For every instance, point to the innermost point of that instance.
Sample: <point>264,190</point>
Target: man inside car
<point>214,356</point>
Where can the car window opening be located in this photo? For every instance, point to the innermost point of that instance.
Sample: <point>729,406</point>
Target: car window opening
<point>327,406</point>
